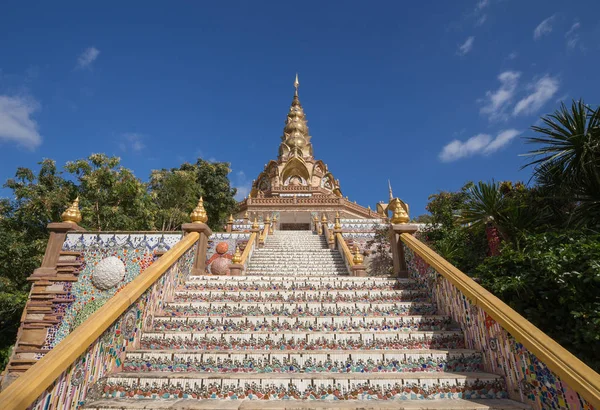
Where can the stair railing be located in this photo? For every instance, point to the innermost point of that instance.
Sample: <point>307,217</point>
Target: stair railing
<point>537,369</point>
<point>248,250</point>
<point>96,348</point>
<point>345,252</point>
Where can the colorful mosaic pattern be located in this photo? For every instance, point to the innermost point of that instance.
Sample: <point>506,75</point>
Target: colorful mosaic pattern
<point>107,353</point>
<point>302,390</point>
<point>82,298</point>
<point>532,381</point>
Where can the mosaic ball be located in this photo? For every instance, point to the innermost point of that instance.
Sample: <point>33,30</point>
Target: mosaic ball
<point>220,266</point>
<point>108,273</point>
<point>222,247</point>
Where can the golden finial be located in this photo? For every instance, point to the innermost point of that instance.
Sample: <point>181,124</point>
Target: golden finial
<point>198,215</point>
<point>72,214</point>
<point>369,207</point>
<point>268,220</point>
<point>237,256</point>
<point>390,189</point>
<point>324,218</point>
<point>255,224</point>
<point>261,238</point>
<point>230,218</point>
<point>358,258</point>
<point>337,225</point>
<point>331,239</point>
<point>274,218</point>
<point>315,218</point>
<point>296,85</point>
<point>399,210</point>
<point>246,215</point>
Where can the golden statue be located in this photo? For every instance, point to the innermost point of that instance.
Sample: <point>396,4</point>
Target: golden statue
<point>72,214</point>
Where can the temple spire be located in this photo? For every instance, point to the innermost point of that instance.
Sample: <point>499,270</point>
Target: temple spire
<point>390,188</point>
<point>296,85</point>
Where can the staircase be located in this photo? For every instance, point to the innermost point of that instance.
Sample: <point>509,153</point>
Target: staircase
<point>299,332</point>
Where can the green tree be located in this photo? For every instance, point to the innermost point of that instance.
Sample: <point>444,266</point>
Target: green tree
<point>175,193</point>
<point>567,158</point>
<point>214,185</point>
<point>111,196</point>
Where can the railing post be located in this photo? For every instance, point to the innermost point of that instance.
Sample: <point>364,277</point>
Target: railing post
<point>400,268</point>
<point>229,226</point>
<point>198,224</point>
<point>256,230</point>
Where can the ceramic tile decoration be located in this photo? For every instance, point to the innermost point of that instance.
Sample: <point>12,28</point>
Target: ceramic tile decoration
<point>135,252</point>
<point>107,353</point>
<point>525,375</point>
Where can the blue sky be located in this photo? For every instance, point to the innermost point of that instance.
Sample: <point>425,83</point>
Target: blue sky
<point>428,94</point>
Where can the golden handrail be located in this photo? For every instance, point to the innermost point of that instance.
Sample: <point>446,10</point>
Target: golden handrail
<point>29,386</point>
<point>569,368</point>
<point>248,247</point>
<point>347,253</point>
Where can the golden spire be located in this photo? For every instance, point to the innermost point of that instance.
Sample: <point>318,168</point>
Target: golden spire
<point>390,188</point>
<point>230,218</point>
<point>324,218</point>
<point>296,85</point>
<point>198,215</point>
<point>237,256</point>
<point>268,220</point>
<point>255,223</point>
<point>295,139</point>
<point>72,214</point>
<point>337,225</point>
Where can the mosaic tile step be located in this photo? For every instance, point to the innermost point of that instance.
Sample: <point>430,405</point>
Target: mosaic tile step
<point>297,285</point>
<point>214,404</point>
<point>324,324</point>
<point>277,279</point>
<point>302,341</point>
<point>419,386</point>
<point>298,310</point>
<point>346,362</point>
<point>302,296</point>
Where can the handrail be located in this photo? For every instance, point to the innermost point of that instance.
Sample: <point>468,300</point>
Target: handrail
<point>29,386</point>
<point>569,368</point>
<point>249,246</point>
<point>347,253</point>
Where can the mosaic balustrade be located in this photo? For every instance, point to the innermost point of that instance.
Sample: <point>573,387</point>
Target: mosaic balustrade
<point>131,253</point>
<point>303,390</point>
<point>268,286</point>
<point>106,354</point>
<point>528,379</point>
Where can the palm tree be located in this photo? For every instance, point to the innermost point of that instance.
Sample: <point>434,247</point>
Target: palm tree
<point>567,160</point>
<point>485,204</point>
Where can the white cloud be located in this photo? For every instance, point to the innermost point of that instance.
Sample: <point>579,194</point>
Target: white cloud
<point>572,36</point>
<point>541,92</point>
<point>502,139</point>
<point>495,102</point>
<point>16,124</point>
<point>479,144</point>
<point>88,56</point>
<point>544,28</point>
<point>482,4</point>
<point>465,47</point>
<point>482,19</point>
<point>132,141</point>
<point>513,55</point>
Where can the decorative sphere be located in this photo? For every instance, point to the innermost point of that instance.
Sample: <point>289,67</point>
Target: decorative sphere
<point>220,266</point>
<point>222,248</point>
<point>108,273</point>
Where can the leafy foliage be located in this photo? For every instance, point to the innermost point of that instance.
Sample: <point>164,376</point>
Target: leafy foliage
<point>111,198</point>
<point>554,281</point>
<point>380,262</point>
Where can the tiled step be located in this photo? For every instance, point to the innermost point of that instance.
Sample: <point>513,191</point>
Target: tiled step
<point>300,297</point>
<point>374,362</point>
<point>298,310</point>
<point>303,340</point>
<point>287,279</point>
<point>191,385</point>
<point>215,404</point>
<point>322,324</point>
